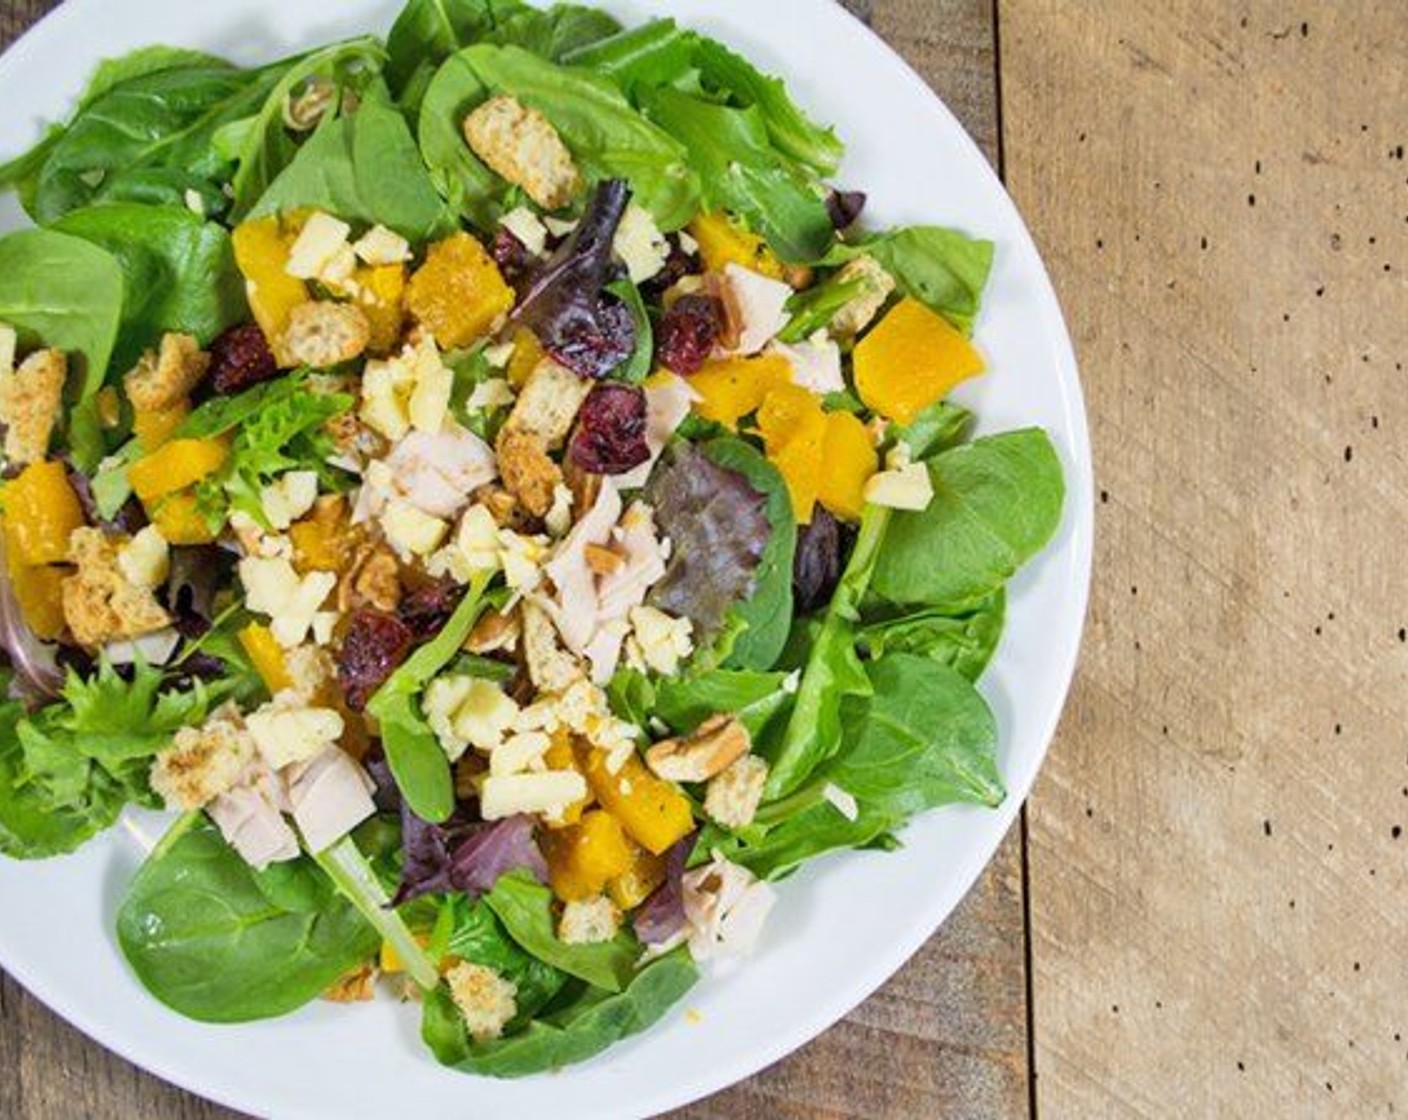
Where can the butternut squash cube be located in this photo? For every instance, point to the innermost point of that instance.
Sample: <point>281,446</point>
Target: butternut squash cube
<point>910,359</point>
<point>722,242</point>
<point>731,388</point>
<point>848,460</point>
<point>584,857</point>
<point>41,513</point>
<point>261,252</point>
<point>458,293</point>
<point>653,812</point>
<point>175,466</point>
<point>794,433</point>
<point>180,520</point>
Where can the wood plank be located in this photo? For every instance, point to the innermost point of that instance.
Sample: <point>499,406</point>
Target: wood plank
<point>947,1036</point>
<point>1216,851</point>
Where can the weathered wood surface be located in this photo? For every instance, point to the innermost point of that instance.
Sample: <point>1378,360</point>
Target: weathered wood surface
<point>1218,880</point>
<point>945,1038</point>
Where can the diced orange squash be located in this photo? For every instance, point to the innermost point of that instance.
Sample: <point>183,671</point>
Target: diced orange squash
<point>390,960</point>
<point>261,252</point>
<point>38,589</point>
<point>731,388</point>
<point>41,513</point>
<point>458,293</point>
<point>180,520</point>
<point>527,353</point>
<point>176,465</point>
<point>848,460</point>
<point>722,242</point>
<point>910,359</point>
<point>559,756</point>
<point>584,857</point>
<point>325,540</point>
<point>794,435</point>
<point>638,882</point>
<point>153,428</point>
<point>653,812</point>
<point>383,290</point>
<point>267,657</point>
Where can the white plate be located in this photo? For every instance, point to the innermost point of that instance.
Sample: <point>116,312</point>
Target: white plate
<point>844,924</point>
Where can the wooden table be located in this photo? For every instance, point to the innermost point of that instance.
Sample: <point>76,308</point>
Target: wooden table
<point>1202,912</point>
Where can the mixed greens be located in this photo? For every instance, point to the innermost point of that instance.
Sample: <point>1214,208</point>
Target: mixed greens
<point>490,483</point>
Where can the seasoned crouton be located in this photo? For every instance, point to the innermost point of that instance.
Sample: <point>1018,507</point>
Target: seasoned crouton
<point>522,145</point>
<point>29,405</point>
<point>587,922</point>
<point>486,1000</point>
<point>876,285</point>
<point>322,333</point>
<point>100,602</point>
<point>163,378</point>
<point>733,796</point>
<point>549,402</point>
<point>550,666</point>
<point>203,762</point>
<point>527,470</point>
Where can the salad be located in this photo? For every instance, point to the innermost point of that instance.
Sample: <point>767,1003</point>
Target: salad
<point>495,488</point>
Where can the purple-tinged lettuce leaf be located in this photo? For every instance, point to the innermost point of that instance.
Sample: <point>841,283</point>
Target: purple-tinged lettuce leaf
<point>719,530</point>
<point>38,677</point>
<point>464,856</point>
<point>661,916</point>
<point>580,324</point>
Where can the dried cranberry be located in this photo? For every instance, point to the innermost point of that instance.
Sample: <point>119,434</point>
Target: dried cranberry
<point>591,341</point>
<point>687,333</point>
<point>678,265</point>
<point>610,435</point>
<point>816,566</point>
<point>373,648</point>
<point>426,609</point>
<point>240,358</point>
<point>512,256</point>
<point>844,207</point>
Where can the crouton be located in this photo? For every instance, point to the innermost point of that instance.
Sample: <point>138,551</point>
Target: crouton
<point>100,602</point>
<point>487,1000</point>
<point>520,144</point>
<point>589,921</point>
<point>717,743</point>
<point>30,398</point>
<point>165,377</point>
<point>322,333</point>
<point>203,762</point>
<point>876,285</point>
<point>550,666</point>
<point>527,470</point>
<point>733,795</point>
<point>549,402</point>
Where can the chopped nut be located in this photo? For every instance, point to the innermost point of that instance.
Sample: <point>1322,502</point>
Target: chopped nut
<point>585,487</point>
<point>165,377</point>
<point>718,742</point>
<point>321,333</point>
<point>503,507</point>
<point>357,986</point>
<point>521,144</point>
<point>377,582</point>
<point>494,632</point>
<point>603,561</point>
<point>30,398</point>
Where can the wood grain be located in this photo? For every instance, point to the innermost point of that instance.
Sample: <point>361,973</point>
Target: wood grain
<point>946,1037</point>
<point>1216,847</point>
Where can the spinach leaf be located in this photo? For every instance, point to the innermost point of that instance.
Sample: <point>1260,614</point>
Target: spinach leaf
<point>113,72</point>
<point>754,697</point>
<point>477,935</point>
<point>941,267</point>
<point>525,907</point>
<point>938,427</point>
<point>741,171</point>
<point>833,670</point>
<point>206,941</point>
<point>657,52</point>
<point>801,834</point>
<point>608,138</point>
<point>266,146</point>
<point>767,613</point>
<point>363,168</point>
<point>421,770</point>
<point>178,270</point>
<point>428,31</point>
<point>61,291</point>
<point>586,1026</point>
<point>964,642</point>
<point>924,737</point>
<point>149,138</point>
<point>996,502</point>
